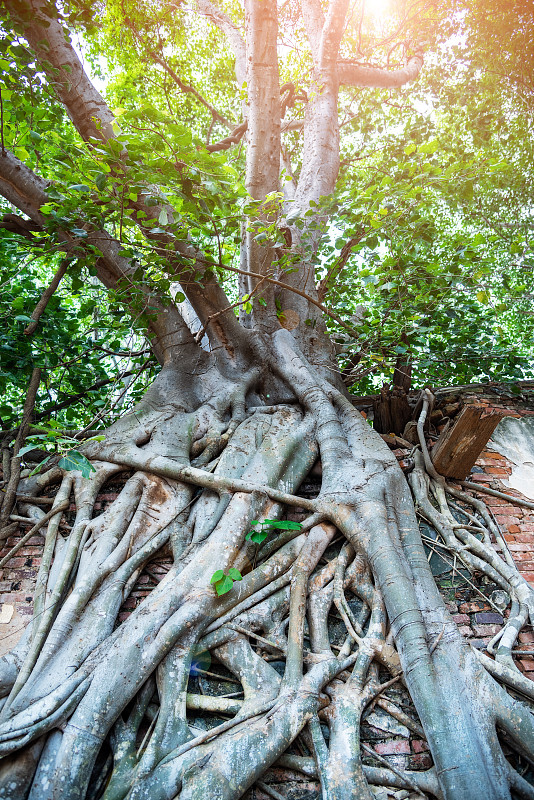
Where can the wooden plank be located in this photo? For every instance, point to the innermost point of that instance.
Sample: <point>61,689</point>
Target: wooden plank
<point>458,448</point>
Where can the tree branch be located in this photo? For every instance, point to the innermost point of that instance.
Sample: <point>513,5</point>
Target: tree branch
<point>27,191</point>
<point>46,36</point>
<point>263,157</point>
<point>224,144</point>
<point>184,87</point>
<point>313,16</point>
<point>232,33</point>
<point>45,297</point>
<point>11,488</point>
<point>332,32</point>
<point>351,74</point>
<point>84,105</point>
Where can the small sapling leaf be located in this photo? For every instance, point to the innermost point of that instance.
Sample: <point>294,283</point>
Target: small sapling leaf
<point>217,576</point>
<point>224,586</point>
<point>234,574</point>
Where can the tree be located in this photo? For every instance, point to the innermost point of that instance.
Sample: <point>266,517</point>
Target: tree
<point>227,431</point>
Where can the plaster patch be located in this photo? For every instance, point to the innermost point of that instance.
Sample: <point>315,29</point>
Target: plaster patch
<point>514,439</point>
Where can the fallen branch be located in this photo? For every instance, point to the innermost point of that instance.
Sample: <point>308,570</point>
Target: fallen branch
<point>36,528</point>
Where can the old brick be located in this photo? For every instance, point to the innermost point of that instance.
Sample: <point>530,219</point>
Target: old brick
<point>461,619</point>
<point>420,746</point>
<point>420,761</point>
<point>469,608</point>
<point>488,617</point>
<point>524,537</point>
<point>486,630</point>
<point>465,630</point>
<point>393,747</point>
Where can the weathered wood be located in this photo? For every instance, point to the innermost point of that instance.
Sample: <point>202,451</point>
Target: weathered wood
<point>458,448</point>
<point>391,410</point>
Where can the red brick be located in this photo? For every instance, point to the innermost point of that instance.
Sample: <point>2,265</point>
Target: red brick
<point>420,746</point>
<point>393,747</point>
<point>420,761</point>
<point>461,619</point>
<point>486,630</point>
<point>526,637</point>
<point>465,630</point>
<point>15,562</point>
<point>469,608</point>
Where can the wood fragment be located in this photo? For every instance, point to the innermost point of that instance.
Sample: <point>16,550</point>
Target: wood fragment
<point>457,449</point>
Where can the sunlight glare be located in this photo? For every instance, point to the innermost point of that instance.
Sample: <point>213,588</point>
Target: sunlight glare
<point>378,8</point>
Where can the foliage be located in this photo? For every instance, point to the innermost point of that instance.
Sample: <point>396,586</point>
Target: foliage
<point>433,205</point>
<point>223,581</point>
<point>262,529</point>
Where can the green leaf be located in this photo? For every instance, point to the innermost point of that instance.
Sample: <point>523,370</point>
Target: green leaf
<point>234,574</point>
<point>283,524</point>
<point>39,466</point>
<point>74,460</point>
<point>224,586</point>
<point>26,449</point>
<point>217,576</point>
<point>429,147</point>
<point>257,536</point>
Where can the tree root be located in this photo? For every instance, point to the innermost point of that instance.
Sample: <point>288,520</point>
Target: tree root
<point>113,707</point>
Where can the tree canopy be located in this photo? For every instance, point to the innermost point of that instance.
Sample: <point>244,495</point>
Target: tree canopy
<point>425,242</point>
